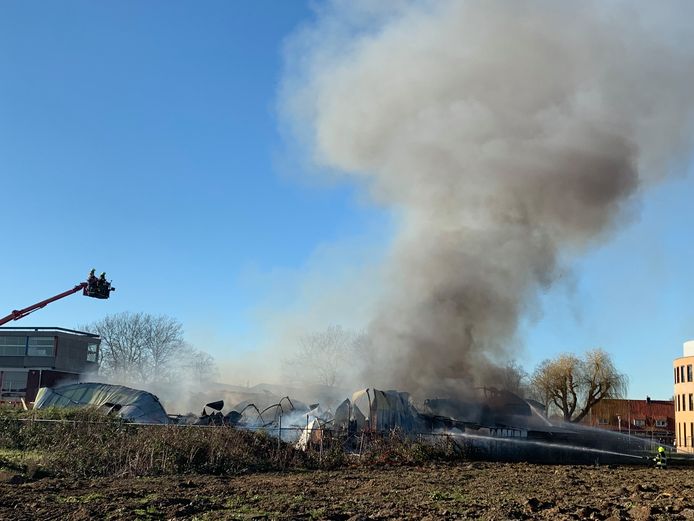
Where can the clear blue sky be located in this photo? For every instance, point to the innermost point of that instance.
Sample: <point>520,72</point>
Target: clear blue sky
<point>141,138</point>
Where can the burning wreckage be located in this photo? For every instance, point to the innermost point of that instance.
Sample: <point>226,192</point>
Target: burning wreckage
<point>495,425</point>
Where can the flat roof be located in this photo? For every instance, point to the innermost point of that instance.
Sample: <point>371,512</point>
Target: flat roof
<point>48,330</point>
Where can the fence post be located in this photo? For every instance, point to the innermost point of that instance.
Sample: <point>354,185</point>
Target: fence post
<point>279,433</point>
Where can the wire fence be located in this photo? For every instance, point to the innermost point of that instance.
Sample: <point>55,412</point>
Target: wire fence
<point>90,446</point>
<point>386,445</point>
<point>306,436</point>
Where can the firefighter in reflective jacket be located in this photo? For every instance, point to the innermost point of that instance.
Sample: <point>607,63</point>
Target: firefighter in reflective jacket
<point>660,459</point>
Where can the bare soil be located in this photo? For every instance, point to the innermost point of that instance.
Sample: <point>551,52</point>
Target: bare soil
<point>462,491</point>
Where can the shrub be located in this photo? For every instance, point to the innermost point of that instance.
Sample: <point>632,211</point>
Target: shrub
<point>84,442</point>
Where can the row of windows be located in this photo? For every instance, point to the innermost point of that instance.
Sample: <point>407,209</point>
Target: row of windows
<point>682,402</point>
<point>682,434</point>
<point>679,374</point>
<point>29,346</point>
<point>14,382</point>
<point>635,422</point>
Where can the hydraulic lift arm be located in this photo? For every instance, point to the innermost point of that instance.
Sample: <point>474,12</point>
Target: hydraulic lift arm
<point>86,289</point>
<point>21,313</point>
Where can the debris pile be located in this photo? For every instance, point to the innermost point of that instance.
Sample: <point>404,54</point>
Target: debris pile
<point>494,425</point>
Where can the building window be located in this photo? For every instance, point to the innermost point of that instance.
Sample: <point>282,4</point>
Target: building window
<point>603,421</point>
<point>682,373</point>
<point>661,423</point>
<point>678,402</point>
<point>675,374</point>
<point>13,345</point>
<point>689,373</point>
<point>14,382</point>
<point>639,423</point>
<point>41,346</point>
<point>92,352</point>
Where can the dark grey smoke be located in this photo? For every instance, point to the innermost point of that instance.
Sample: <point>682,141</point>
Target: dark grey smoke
<point>506,136</point>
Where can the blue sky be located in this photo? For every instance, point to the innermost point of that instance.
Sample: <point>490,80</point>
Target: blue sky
<point>142,138</point>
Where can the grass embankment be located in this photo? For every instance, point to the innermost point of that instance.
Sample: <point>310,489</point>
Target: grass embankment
<point>87,443</point>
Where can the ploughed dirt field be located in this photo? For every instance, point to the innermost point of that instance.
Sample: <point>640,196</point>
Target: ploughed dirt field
<point>475,490</point>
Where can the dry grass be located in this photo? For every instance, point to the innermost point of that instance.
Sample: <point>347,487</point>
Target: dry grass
<point>86,443</point>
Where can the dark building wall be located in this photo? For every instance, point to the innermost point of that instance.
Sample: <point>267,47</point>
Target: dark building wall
<point>38,378</point>
<point>70,350</point>
<point>46,356</point>
<point>37,361</point>
<point>71,354</point>
<point>12,361</point>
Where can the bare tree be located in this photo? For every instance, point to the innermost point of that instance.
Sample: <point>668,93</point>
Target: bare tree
<point>199,365</point>
<point>163,341</point>
<point>138,347</point>
<point>322,356</point>
<point>574,385</point>
<point>511,377</point>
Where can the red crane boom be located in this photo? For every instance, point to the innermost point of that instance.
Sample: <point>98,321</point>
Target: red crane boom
<point>21,313</point>
<point>88,289</point>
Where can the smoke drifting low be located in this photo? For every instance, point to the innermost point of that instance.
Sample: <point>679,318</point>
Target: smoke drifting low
<point>505,135</point>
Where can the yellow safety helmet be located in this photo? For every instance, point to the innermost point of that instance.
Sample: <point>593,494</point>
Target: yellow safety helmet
<point>661,449</point>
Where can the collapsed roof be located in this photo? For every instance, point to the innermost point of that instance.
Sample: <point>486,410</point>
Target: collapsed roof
<point>130,404</point>
<point>379,411</point>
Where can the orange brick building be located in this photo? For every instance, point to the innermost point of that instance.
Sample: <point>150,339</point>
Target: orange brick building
<point>683,377</point>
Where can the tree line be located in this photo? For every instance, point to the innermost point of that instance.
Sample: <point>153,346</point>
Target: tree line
<point>139,348</point>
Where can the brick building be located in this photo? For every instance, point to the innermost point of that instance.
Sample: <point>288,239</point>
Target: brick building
<point>645,418</point>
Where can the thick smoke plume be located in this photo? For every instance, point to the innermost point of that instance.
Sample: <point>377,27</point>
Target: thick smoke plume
<point>506,136</point>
